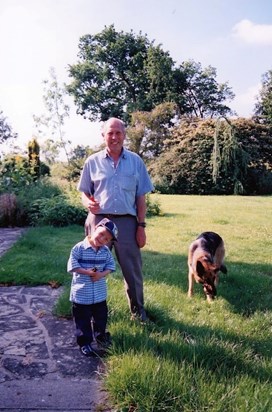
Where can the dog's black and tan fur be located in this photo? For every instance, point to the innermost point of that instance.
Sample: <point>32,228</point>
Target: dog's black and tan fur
<point>205,261</point>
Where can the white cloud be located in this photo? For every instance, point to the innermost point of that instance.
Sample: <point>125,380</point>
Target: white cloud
<point>244,103</point>
<point>248,32</point>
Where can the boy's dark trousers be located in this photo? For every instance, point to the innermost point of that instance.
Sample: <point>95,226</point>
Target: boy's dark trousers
<point>89,319</point>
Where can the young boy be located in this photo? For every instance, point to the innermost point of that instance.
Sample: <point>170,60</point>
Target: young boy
<point>90,262</point>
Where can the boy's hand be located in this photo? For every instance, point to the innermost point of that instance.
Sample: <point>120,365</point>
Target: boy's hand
<point>95,275</point>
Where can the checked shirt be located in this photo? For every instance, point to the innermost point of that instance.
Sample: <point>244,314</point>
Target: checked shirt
<point>83,289</point>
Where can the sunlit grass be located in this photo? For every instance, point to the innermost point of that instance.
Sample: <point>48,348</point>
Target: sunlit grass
<point>40,256</point>
<point>194,356</point>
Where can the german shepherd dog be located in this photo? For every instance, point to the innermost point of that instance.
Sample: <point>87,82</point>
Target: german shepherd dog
<point>205,261</point>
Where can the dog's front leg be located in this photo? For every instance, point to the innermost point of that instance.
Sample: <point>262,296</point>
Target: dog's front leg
<point>190,282</point>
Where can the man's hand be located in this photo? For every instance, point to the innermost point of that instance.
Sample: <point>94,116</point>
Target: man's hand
<point>93,205</point>
<point>141,237</point>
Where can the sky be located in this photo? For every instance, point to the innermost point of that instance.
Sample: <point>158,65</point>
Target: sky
<point>233,36</point>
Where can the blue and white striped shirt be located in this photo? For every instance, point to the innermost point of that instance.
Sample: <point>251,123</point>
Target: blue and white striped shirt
<point>83,289</point>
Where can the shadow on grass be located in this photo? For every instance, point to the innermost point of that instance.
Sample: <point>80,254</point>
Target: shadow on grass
<point>180,215</point>
<point>247,287</point>
<point>212,349</point>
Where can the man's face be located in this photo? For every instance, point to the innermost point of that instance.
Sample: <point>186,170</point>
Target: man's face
<point>114,135</point>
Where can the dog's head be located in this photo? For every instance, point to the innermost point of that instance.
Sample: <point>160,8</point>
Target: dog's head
<point>206,273</point>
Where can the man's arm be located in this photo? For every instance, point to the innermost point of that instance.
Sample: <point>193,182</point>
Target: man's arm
<point>85,198</point>
<point>141,208</point>
<point>141,213</point>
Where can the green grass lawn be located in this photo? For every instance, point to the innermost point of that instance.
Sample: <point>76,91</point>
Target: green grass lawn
<point>195,356</point>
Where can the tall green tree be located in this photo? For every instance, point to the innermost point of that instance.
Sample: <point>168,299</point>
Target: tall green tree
<point>263,107</point>
<point>119,73</point>
<point>51,123</point>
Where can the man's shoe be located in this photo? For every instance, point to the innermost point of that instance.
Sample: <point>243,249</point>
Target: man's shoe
<point>141,317</point>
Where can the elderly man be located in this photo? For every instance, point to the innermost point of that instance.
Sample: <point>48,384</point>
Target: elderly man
<point>114,183</point>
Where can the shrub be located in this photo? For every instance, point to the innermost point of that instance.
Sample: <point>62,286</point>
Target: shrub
<point>17,172</point>
<point>8,209</point>
<point>215,157</point>
<point>152,208</point>
<point>56,211</point>
<point>29,194</point>
<point>59,211</point>
<point>260,181</point>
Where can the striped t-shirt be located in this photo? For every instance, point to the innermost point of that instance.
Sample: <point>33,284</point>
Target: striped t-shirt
<point>83,289</point>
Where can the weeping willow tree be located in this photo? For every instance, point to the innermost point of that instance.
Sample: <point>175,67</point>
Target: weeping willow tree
<point>229,157</point>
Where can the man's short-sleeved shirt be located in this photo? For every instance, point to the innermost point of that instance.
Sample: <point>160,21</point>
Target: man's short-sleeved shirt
<point>83,289</point>
<point>116,189</point>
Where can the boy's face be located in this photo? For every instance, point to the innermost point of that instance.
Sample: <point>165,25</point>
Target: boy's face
<point>101,236</point>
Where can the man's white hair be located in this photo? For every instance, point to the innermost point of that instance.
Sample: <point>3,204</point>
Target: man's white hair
<point>115,119</point>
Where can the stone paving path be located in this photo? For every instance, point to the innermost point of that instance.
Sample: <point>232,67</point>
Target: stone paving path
<point>41,368</point>
<point>8,236</point>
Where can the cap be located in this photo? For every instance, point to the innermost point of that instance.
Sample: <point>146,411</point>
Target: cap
<point>110,226</point>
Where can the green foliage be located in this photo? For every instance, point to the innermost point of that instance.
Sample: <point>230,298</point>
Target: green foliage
<point>232,160</point>
<point>121,73</point>
<point>9,210</point>
<point>34,158</point>
<point>19,172</point>
<point>185,167</point>
<point>28,199</point>
<point>203,96</point>
<point>56,211</point>
<point>20,189</point>
<point>149,130</point>
<point>263,107</point>
<point>153,207</point>
<point>28,194</point>
<point>215,157</point>
<point>15,172</point>
<point>77,158</point>
<point>118,70</point>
